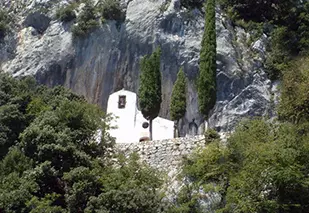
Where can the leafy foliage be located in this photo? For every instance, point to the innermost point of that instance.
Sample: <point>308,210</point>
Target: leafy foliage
<point>138,194</point>
<point>51,160</point>
<point>178,99</point>
<point>207,76</point>
<point>191,4</point>
<point>286,21</point>
<point>260,11</point>
<point>4,20</point>
<point>263,168</point>
<point>66,13</point>
<point>295,95</point>
<point>150,95</point>
<point>211,135</point>
<point>111,10</point>
<point>289,40</point>
<point>86,21</point>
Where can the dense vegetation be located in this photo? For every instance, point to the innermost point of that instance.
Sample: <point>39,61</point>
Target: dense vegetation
<point>111,10</point>
<point>86,21</point>
<point>294,104</point>
<point>191,4</point>
<point>88,18</point>
<point>149,92</point>
<point>4,19</point>
<point>287,22</point>
<point>263,168</point>
<point>66,13</point>
<point>51,161</point>
<point>206,87</point>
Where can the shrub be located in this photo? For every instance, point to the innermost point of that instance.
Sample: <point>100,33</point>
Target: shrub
<point>211,135</point>
<point>83,28</point>
<point>303,29</point>
<point>262,168</point>
<point>53,162</point>
<point>164,7</point>
<point>4,21</point>
<point>288,24</point>
<point>294,104</point>
<point>66,13</point>
<point>259,11</point>
<point>86,21</point>
<point>111,10</point>
<point>191,4</point>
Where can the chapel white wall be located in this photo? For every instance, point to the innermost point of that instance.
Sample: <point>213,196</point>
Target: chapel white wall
<point>129,121</point>
<point>124,121</point>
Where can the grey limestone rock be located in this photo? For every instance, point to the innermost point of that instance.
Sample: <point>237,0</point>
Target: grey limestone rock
<point>108,59</point>
<point>38,21</point>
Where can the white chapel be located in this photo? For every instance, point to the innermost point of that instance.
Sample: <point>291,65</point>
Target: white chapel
<point>130,124</point>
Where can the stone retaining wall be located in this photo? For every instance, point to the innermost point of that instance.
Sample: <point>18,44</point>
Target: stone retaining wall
<point>165,155</point>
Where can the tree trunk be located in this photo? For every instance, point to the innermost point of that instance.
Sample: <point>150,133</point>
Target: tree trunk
<point>176,135</point>
<point>150,129</point>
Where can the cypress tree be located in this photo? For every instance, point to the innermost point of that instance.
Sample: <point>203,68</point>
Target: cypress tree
<point>178,99</point>
<point>207,76</point>
<point>150,95</point>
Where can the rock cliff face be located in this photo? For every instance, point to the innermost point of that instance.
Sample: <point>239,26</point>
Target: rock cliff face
<point>108,59</point>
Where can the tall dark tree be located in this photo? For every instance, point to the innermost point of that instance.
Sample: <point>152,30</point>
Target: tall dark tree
<point>207,75</point>
<point>150,95</point>
<point>178,99</point>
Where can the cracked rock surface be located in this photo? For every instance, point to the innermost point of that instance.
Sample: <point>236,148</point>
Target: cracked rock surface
<point>108,59</point>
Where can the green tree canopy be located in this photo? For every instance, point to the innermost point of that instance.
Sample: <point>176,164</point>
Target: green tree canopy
<point>191,4</point>
<point>86,21</point>
<point>178,103</point>
<point>206,87</point>
<point>149,92</point>
<point>294,104</point>
<point>178,99</point>
<point>263,168</point>
<point>111,10</point>
<point>261,10</point>
<point>4,23</point>
<point>51,160</point>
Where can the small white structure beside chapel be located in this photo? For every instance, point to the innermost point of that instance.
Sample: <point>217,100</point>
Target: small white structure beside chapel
<point>130,123</point>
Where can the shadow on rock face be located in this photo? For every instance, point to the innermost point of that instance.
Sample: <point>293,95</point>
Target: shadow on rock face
<point>38,21</point>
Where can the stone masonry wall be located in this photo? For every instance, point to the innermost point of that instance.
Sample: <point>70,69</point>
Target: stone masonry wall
<point>164,155</point>
<point>167,156</point>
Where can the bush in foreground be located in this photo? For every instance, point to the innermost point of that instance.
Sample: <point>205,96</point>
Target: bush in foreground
<point>263,168</point>
<point>51,161</point>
